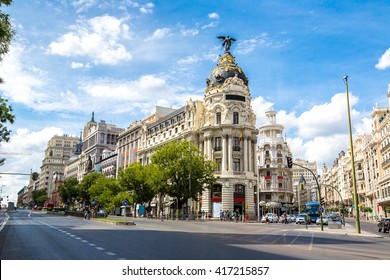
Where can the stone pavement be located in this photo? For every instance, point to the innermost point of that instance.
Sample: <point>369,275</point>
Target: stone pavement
<point>349,229</point>
<point>3,218</point>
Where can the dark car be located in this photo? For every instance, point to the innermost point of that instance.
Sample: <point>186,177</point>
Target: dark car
<point>384,225</point>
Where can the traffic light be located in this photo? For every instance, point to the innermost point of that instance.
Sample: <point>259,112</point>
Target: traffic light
<point>322,201</point>
<point>34,176</point>
<point>289,162</point>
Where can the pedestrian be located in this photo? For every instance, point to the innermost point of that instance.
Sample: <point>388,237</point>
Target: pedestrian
<point>162,215</point>
<point>246,218</point>
<point>221,215</point>
<point>203,214</point>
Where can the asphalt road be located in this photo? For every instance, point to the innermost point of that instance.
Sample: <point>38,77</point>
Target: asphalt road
<point>37,236</point>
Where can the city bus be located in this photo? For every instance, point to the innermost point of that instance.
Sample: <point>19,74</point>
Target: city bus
<point>313,210</point>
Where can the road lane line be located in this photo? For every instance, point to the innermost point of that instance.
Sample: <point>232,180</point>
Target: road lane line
<point>110,253</point>
<point>100,248</point>
<point>292,242</point>
<point>311,241</point>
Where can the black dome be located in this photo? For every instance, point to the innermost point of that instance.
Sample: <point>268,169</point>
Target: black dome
<point>225,68</point>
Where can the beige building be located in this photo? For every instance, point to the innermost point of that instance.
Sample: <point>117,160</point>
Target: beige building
<point>58,152</point>
<point>372,169</point>
<point>310,190</point>
<point>222,126</point>
<point>275,178</point>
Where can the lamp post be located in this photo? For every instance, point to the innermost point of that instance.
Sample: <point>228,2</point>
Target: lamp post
<point>355,195</point>
<point>318,188</point>
<point>341,200</point>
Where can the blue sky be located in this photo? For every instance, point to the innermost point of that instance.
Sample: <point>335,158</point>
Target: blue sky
<point>122,58</point>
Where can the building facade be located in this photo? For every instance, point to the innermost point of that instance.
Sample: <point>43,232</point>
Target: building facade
<point>222,126</point>
<point>372,169</point>
<point>58,152</point>
<point>275,178</point>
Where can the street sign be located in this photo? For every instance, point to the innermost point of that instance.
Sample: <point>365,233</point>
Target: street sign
<point>125,202</point>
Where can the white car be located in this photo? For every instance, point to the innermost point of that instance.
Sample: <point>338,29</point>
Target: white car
<point>272,218</point>
<point>302,219</point>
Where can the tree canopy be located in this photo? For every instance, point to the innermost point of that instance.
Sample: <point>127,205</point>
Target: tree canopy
<point>185,170</point>
<point>6,33</point>
<point>68,190</point>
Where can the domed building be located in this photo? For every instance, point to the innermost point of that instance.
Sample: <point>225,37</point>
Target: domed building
<point>228,137</point>
<point>222,126</point>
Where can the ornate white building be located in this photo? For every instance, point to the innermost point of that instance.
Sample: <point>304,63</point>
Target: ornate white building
<point>222,126</point>
<point>275,178</point>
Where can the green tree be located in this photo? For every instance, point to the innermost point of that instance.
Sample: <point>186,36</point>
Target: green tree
<point>135,179</point>
<point>186,171</point>
<point>39,197</point>
<point>83,195</point>
<point>105,192</point>
<point>6,33</point>
<point>68,191</point>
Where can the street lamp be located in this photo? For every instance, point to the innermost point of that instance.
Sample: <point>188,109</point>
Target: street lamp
<point>355,195</point>
<point>341,200</point>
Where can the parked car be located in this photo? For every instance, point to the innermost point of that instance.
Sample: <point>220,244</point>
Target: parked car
<point>302,219</point>
<point>291,218</point>
<point>102,213</point>
<point>272,218</point>
<point>384,225</point>
<point>325,220</point>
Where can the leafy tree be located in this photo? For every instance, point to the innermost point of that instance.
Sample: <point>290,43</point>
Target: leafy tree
<point>135,180</point>
<point>39,196</point>
<point>68,191</point>
<point>6,33</point>
<point>187,172</point>
<point>83,195</point>
<point>105,191</point>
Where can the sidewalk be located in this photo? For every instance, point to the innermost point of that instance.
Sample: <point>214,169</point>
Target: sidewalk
<point>3,218</point>
<point>347,230</point>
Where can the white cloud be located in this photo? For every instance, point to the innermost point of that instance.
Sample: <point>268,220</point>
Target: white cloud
<point>213,16</point>
<point>136,96</point>
<point>189,32</point>
<point>30,147</point>
<point>83,5</point>
<point>320,149</point>
<point>159,33</point>
<point>384,61</point>
<point>210,25</point>
<point>147,8</point>
<point>248,45</point>
<point>78,65</point>
<point>98,38</point>
<point>22,82</point>
<point>327,119</point>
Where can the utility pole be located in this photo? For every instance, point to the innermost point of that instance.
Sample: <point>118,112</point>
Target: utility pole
<point>355,194</point>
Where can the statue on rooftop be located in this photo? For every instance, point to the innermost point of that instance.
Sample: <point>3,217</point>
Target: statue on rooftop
<point>226,42</point>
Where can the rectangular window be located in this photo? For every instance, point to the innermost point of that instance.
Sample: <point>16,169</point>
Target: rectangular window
<point>236,165</point>
<point>218,161</point>
<point>218,118</point>
<point>218,144</point>
<point>235,118</point>
<point>236,144</point>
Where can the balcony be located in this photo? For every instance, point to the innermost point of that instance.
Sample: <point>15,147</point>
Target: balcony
<point>267,178</point>
<point>280,178</point>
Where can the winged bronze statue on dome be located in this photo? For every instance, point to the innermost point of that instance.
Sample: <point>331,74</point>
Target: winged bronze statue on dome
<point>226,42</point>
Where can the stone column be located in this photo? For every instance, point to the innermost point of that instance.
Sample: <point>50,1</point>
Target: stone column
<point>206,200</point>
<point>245,152</point>
<point>224,153</point>
<point>230,154</point>
<point>250,160</point>
<point>210,148</point>
<point>227,196</point>
<point>249,195</point>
